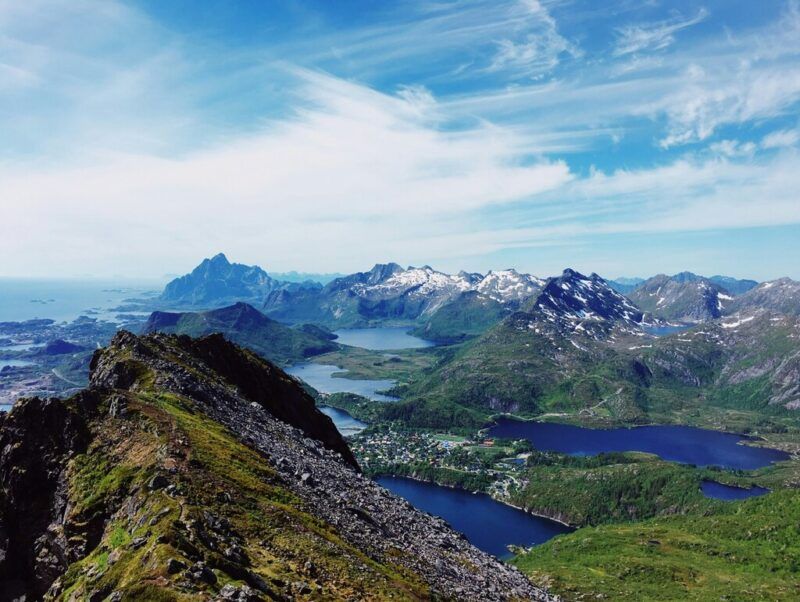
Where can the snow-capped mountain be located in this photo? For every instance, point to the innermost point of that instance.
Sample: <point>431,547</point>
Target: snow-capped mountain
<point>425,285</point>
<point>509,285</point>
<point>577,303</point>
<point>389,291</point>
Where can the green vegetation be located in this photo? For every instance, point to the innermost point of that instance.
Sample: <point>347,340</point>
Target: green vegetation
<point>468,316</point>
<point>215,475</point>
<point>742,551</point>
<point>609,488</point>
<point>246,326</point>
<point>404,365</point>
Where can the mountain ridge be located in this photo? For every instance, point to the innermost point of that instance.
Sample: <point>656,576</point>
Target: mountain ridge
<point>173,478</point>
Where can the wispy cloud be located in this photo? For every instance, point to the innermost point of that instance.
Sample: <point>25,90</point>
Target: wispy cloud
<point>781,139</point>
<point>538,47</point>
<point>642,37</point>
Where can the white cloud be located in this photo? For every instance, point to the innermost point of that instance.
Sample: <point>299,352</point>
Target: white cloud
<point>780,139</point>
<point>538,47</point>
<point>637,38</point>
<point>733,148</point>
<point>714,99</point>
<point>352,169</point>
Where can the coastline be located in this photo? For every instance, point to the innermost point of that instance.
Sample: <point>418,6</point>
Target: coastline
<point>540,514</point>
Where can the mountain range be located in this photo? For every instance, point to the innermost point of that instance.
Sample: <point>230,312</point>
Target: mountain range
<point>389,292</point>
<point>581,345</point>
<point>569,342</point>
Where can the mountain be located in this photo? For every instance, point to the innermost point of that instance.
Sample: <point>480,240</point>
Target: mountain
<point>508,286</point>
<point>470,314</point>
<point>190,469</point>
<point>216,281</point>
<point>781,296</point>
<point>390,292</point>
<point>525,363</point>
<point>577,302</point>
<point>305,277</point>
<point>684,297</point>
<point>747,361</point>
<point>246,326</point>
<point>625,285</point>
<point>580,346</point>
<point>732,285</point>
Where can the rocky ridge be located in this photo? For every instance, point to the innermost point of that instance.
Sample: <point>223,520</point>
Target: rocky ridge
<point>192,468</point>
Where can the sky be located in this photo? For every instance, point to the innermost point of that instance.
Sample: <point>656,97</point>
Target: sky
<point>618,137</point>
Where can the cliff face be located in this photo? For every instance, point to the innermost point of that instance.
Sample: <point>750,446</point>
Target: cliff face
<point>193,470</point>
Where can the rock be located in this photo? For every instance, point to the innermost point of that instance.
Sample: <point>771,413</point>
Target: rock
<point>200,572</point>
<point>238,594</point>
<point>175,566</point>
<point>117,406</point>
<point>157,482</point>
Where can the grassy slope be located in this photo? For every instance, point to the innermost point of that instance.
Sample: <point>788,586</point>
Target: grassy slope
<point>276,532</point>
<point>266,337</point>
<point>743,551</point>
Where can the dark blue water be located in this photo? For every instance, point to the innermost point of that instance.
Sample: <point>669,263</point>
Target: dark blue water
<point>321,377</point>
<point>488,524</point>
<point>345,423</point>
<point>685,444</point>
<point>380,338</point>
<point>728,493</point>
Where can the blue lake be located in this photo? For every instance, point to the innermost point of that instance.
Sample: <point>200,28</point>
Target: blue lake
<point>729,493</point>
<point>685,444</point>
<point>487,524</point>
<point>345,423</point>
<point>380,338</point>
<point>662,331</point>
<point>320,376</point>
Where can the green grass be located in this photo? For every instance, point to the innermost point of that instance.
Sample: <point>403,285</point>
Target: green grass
<point>741,551</point>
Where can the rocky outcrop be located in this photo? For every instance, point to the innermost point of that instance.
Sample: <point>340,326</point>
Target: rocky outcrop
<point>217,374</point>
<point>37,439</point>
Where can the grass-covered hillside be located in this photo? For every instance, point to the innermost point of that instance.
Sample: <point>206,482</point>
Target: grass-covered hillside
<point>741,551</point>
<point>529,366</point>
<point>245,325</point>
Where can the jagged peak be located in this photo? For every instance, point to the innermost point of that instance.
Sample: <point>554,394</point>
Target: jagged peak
<point>219,258</point>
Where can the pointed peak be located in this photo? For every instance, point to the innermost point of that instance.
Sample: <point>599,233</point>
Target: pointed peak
<point>219,258</point>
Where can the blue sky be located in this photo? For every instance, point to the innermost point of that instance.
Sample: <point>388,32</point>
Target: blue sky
<point>626,138</point>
